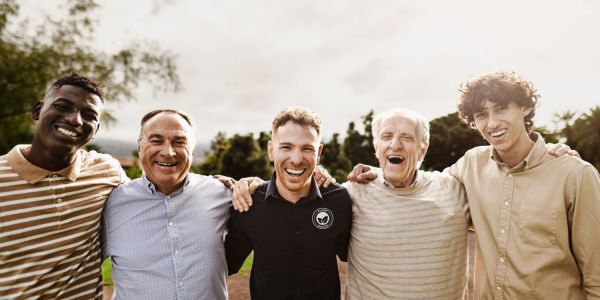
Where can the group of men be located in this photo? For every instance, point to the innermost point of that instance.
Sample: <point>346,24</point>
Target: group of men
<point>175,235</point>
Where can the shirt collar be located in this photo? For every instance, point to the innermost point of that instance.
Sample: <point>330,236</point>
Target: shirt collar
<point>151,187</point>
<point>32,173</point>
<point>273,192</point>
<point>385,183</point>
<point>533,158</point>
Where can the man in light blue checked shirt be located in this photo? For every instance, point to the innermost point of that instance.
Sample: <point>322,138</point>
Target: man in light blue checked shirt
<point>164,231</point>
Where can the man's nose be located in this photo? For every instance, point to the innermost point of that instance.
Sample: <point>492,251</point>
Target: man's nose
<point>396,143</point>
<point>74,119</point>
<point>493,120</point>
<point>296,157</point>
<point>168,150</point>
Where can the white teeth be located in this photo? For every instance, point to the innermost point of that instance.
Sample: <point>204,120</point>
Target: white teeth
<point>67,132</point>
<point>164,164</point>
<point>295,171</point>
<point>498,133</point>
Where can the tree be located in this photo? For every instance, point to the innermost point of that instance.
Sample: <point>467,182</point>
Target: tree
<point>244,158</point>
<point>449,139</point>
<point>584,136</point>
<point>334,160</point>
<point>239,156</point>
<point>358,147</point>
<point>33,57</point>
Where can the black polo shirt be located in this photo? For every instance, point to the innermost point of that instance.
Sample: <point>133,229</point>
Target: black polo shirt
<point>294,244</point>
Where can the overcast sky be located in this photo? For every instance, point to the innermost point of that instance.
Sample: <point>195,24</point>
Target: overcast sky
<point>242,61</point>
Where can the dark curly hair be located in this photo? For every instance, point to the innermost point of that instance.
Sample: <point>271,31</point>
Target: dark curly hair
<point>498,87</point>
<point>86,83</point>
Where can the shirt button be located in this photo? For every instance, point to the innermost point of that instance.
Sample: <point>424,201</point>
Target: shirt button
<point>180,283</point>
<point>54,175</point>
<point>176,252</point>
<point>506,203</point>
<point>498,288</point>
<point>171,223</point>
<point>59,200</point>
<point>502,259</point>
<point>502,230</point>
<point>296,232</point>
<point>510,175</point>
<point>168,197</point>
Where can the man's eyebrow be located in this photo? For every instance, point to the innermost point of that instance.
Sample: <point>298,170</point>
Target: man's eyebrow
<point>155,135</point>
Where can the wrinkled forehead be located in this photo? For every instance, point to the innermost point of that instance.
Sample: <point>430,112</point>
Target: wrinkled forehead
<point>398,123</point>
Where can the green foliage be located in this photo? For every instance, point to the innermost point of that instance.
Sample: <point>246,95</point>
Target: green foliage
<point>357,146</point>
<point>33,57</point>
<point>237,157</point>
<point>334,159</point>
<point>584,136</point>
<point>449,139</point>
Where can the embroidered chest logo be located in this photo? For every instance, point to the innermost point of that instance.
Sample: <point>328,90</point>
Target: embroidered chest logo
<point>322,218</point>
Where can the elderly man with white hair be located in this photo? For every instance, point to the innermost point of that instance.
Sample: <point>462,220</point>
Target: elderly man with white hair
<point>409,228</point>
<point>409,232</point>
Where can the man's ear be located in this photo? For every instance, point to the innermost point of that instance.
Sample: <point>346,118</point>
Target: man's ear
<point>37,109</point>
<point>319,152</point>
<point>270,150</point>
<point>423,152</point>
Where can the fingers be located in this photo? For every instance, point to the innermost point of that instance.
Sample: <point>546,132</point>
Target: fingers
<point>242,193</point>
<point>356,171</point>
<point>573,152</point>
<point>323,177</point>
<point>242,200</point>
<point>227,181</point>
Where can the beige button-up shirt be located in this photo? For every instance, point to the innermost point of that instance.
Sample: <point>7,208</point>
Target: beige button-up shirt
<point>537,224</point>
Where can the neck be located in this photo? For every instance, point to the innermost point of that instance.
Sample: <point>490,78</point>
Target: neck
<point>48,160</point>
<point>517,154</point>
<point>292,196</point>
<point>402,183</point>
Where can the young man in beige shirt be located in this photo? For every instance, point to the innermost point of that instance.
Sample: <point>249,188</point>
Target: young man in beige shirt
<point>536,215</point>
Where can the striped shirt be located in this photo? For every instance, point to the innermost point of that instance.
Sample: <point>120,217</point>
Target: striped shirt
<point>49,226</point>
<point>408,243</point>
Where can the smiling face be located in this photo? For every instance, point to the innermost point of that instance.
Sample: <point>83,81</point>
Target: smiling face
<point>399,149</point>
<point>294,150</point>
<point>166,150</point>
<point>503,126</point>
<point>66,121</point>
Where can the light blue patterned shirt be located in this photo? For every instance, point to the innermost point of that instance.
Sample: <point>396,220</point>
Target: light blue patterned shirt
<point>167,246</point>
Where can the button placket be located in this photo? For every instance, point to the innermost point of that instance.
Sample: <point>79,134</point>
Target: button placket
<point>505,216</point>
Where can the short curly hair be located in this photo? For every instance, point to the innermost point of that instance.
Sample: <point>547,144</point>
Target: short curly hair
<point>498,87</point>
<point>90,85</point>
<point>299,115</point>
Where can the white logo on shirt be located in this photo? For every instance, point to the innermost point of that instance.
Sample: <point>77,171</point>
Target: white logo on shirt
<point>322,218</point>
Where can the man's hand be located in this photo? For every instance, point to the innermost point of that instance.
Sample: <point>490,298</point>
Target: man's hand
<point>362,174</point>
<point>561,149</point>
<point>323,177</point>
<point>227,181</point>
<point>242,192</point>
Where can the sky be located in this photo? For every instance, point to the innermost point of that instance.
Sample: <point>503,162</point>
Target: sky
<point>240,61</point>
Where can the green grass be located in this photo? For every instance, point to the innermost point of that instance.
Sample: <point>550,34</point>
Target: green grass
<point>106,272</point>
<point>245,269</point>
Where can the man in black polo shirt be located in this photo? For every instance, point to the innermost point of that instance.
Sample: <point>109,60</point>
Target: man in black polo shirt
<point>294,228</point>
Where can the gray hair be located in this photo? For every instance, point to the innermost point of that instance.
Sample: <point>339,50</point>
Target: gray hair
<point>422,123</point>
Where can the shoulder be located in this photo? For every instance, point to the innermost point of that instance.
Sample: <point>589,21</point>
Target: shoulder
<point>335,193</point>
<point>208,185</point>
<point>478,152</point>
<point>437,178</point>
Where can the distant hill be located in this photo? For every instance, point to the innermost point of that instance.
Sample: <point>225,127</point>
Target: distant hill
<point>118,148</point>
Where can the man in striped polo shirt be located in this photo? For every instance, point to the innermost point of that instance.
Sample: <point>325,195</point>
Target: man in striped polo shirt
<point>51,198</point>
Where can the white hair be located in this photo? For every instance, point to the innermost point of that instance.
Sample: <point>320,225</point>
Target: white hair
<point>422,123</point>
